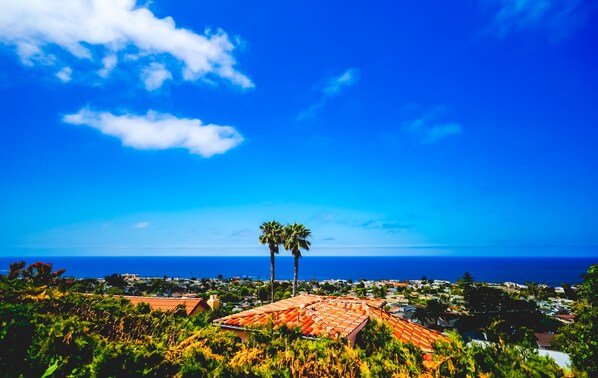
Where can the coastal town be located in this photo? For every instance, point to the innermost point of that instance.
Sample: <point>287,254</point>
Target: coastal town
<point>436,304</point>
<point>425,326</point>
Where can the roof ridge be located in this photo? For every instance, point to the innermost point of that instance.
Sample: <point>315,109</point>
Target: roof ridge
<point>270,309</point>
<point>162,298</point>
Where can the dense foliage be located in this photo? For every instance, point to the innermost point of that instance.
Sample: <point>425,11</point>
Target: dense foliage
<point>500,315</point>
<point>49,330</point>
<point>580,339</point>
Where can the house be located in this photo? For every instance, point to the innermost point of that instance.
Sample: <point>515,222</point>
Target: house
<point>192,305</point>
<point>326,316</point>
<point>395,284</point>
<point>566,318</point>
<point>545,340</point>
<point>402,311</point>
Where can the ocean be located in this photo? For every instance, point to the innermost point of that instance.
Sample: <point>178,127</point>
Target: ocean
<point>549,270</point>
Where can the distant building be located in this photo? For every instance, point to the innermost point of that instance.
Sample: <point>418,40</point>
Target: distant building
<point>130,277</point>
<point>566,318</point>
<point>395,284</point>
<point>192,305</point>
<point>402,311</point>
<point>545,340</point>
<point>322,316</point>
<point>214,301</point>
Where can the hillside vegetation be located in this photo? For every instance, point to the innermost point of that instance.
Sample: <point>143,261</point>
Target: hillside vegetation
<point>48,330</point>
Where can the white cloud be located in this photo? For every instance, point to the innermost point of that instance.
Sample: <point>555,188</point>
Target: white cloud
<point>310,111</point>
<point>65,74</point>
<point>558,17</point>
<point>98,32</point>
<point>427,127</point>
<point>108,62</point>
<point>154,76</point>
<point>337,84</point>
<point>441,130</point>
<point>333,88</point>
<point>158,131</point>
<point>141,225</point>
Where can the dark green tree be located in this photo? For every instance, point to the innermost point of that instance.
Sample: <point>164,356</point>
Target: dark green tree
<point>431,312</point>
<point>116,280</point>
<point>272,235</point>
<point>380,291</point>
<point>295,239</point>
<point>569,292</point>
<point>487,304</point>
<point>466,280</point>
<point>580,339</point>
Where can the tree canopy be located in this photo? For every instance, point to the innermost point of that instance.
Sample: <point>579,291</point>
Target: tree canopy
<point>580,339</point>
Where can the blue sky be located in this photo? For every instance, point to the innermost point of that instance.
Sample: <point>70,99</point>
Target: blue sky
<point>177,127</point>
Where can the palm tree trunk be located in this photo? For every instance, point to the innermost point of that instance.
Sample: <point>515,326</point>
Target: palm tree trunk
<point>296,276</point>
<point>272,274</point>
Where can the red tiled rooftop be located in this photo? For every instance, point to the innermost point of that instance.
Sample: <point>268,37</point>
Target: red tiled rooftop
<point>407,331</point>
<point>192,305</point>
<point>545,339</point>
<point>395,284</point>
<point>318,316</point>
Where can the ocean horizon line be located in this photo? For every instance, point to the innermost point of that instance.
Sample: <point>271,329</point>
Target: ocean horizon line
<point>549,270</point>
<point>288,255</point>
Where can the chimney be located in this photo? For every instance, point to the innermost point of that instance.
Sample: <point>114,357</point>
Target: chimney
<point>214,302</point>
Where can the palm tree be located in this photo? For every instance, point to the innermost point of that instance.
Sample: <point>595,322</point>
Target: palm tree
<point>272,234</point>
<point>295,239</point>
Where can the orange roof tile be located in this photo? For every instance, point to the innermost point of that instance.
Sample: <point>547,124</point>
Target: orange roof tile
<point>318,316</point>
<point>170,304</point>
<point>407,331</point>
<point>395,284</point>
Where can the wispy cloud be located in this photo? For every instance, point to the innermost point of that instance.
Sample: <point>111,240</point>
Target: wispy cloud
<point>363,222</point>
<point>380,224</point>
<point>141,225</point>
<point>334,86</point>
<point>159,131</point>
<point>337,84</point>
<point>428,127</point>
<point>99,34</point>
<point>557,17</point>
<point>243,233</point>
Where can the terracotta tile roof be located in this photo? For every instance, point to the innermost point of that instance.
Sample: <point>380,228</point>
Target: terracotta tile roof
<point>407,331</point>
<point>318,316</point>
<point>192,305</point>
<point>545,339</point>
<point>395,284</point>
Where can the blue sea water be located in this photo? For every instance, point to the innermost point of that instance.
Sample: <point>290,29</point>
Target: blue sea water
<point>549,270</point>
